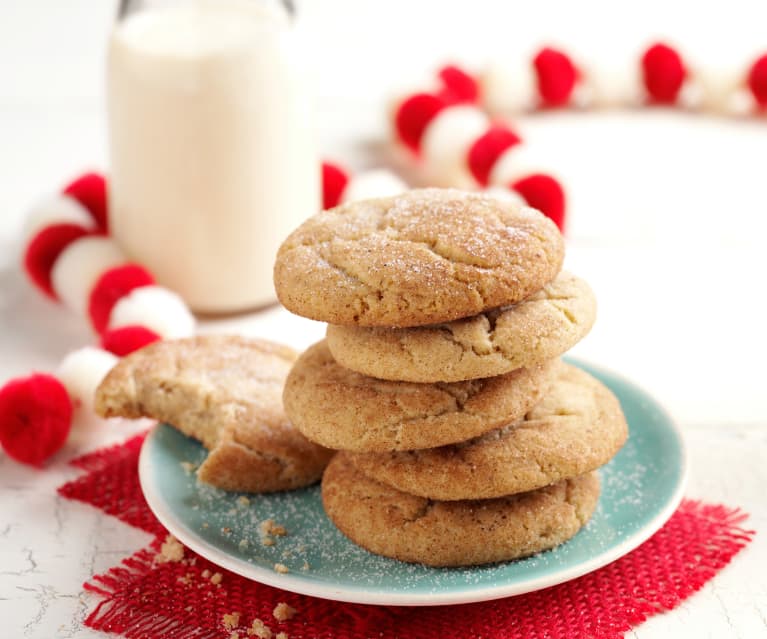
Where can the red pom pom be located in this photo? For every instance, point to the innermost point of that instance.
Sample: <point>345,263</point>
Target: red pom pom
<point>90,190</point>
<point>458,86</point>
<point>544,193</point>
<point>487,148</point>
<point>557,76</point>
<point>44,249</point>
<point>126,339</point>
<point>35,418</point>
<point>334,181</point>
<point>414,115</point>
<point>110,287</point>
<point>757,81</point>
<point>664,73</point>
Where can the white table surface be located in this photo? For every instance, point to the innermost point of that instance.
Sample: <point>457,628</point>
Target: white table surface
<point>667,221</point>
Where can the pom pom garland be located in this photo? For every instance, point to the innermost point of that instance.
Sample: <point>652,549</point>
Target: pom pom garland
<point>413,116</point>
<point>79,266</point>
<point>664,73</point>
<point>123,341</point>
<point>757,81</point>
<point>110,287</point>
<point>334,181</point>
<point>486,150</point>
<point>35,418</point>
<point>44,249</point>
<point>557,77</point>
<point>339,186</point>
<point>458,86</point>
<point>56,209</point>
<point>371,184</point>
<point>446,143</point>
<point>544,193</point>
<point>155,308</point>
<point>81,372</point>
<point>90,190</point>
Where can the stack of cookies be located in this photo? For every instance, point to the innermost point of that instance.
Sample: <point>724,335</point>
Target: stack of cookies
<point>464,439</point>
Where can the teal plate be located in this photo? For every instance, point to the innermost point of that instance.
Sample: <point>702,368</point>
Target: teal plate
<point>641,488</point>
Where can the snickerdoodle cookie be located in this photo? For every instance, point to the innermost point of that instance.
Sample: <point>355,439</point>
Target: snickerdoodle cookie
<point>422,257</point>
<point>577,427</point>
<point>389,522</point>
<point>226,392</point>
<point>339,408</point>
<point>535,330</point>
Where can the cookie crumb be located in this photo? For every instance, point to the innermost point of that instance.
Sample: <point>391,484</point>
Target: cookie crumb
<point>226,530</point>
<point>170,551</point>
<point>216,578</point>
<point>231,620</point>
<point>268,527</point>
<point>205,524</point>
<point>188,467</point>
<point>284,612</point>
<point>281,568</point>
<point>267,541</point>
<point>259,629</point>
<point>206,574</point>
<point>234,635</point>
<point>242,500</point>
<point>305,566</point>
<point>243,544</point>
<point>282,635</point>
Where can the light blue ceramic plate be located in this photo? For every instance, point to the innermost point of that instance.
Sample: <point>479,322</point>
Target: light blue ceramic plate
<point>641,488</point>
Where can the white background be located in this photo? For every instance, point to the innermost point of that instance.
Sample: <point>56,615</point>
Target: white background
<point>668,214</point>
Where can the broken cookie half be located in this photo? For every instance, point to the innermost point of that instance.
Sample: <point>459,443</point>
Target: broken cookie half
<point>226,392</point>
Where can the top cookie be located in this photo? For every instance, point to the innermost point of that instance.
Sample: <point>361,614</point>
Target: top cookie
<point>225,391</point>
<point>536,330</point>
<point>423,257</point>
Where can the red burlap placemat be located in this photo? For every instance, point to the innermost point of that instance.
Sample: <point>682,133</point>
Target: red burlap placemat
<point>144,598</point>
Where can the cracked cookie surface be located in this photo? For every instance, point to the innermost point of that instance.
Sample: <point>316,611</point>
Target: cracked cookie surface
<point>538,329</point>
<point>226,392</point>
<point>577,427</point>
<point>390,522</point>
<point>339,408</point>
<point>427,256</point>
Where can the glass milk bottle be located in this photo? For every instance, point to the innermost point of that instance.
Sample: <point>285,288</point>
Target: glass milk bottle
<point>212,145</point>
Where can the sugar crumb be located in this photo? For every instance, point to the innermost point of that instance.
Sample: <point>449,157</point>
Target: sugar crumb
<point>283,612</point>
<point>231,620</point>
<point>171,550</point>
<point>259,629</point>
<point>281,568</point>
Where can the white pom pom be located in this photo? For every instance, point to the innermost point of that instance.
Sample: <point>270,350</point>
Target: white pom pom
<point>719,88</point>
<point>370,184</point>
<point>156,308</point>
<point>610,88</point>
<point>517,162</point>
<point>446,142</point>
<point>504,194</point>
<point>56,209</point>
<point>79,266</point>
<point>509,89</point>
<point>81,371</point>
